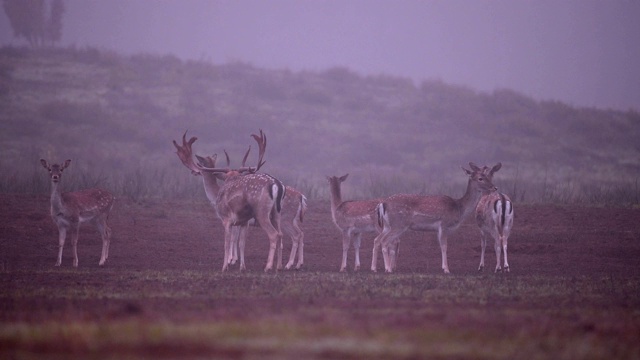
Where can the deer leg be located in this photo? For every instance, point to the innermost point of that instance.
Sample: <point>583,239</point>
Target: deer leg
<point>273,244</point>
<point>300,250</point>
<point>385,254</point>
<point>504,247</point>
<point>442,239</point>
<point>292,254</point>
<point>275,219</point>
<point>102,228</point>
<point>356,248</point>
<point>393,254</point>
<point>379,243</point>
<point>279,247</point>
<point>274,236</point>
<point>294,234</point>
<point>228,234</point>
<point>108,233</point>
<point>483,245</point>
<point>74,241</point>
<point>62,235</point>
<point>386,239</point>
<point>241,239</point>
<point>234,246</point>
<point>376,246</point>
<point>498,250</point>
<point>346,241</point>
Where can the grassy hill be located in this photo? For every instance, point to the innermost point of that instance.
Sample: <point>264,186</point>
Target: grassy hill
<point>115,116</point>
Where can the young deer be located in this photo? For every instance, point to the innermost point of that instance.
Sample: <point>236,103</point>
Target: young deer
<point>352,218</point>
<point>70,209</point>
<point>399,213</point>
<point>494,215</point>
<point>294,206</point>
<point>246,195</point>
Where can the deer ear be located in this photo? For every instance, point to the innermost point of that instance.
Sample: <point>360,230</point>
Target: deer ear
<point>495,168</point>
<point>201,160</point>
<point>344,177</point>
<point>66,164</point>
<point>468,172</point>
<point>44,163</point>
<point>474,167</point>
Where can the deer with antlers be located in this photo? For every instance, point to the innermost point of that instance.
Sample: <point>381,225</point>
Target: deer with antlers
<point>246,195</point>
<point>399,213</point>
<point>70,209</point>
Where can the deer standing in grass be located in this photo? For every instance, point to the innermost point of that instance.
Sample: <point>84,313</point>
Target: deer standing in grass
<point>399,213</point>
<point>294,206</point>
<point>352,218</point>
<point>70,209</point>
<point>494,215</point>
<point>244,195</point>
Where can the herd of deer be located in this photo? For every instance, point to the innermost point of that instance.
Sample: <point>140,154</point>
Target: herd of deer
<point>244,195</point>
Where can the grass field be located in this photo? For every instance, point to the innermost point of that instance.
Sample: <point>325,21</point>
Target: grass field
<point>176,313</point>
<point>572,291</point>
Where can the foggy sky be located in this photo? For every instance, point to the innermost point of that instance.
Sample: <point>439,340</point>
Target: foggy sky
<point>582,52</point>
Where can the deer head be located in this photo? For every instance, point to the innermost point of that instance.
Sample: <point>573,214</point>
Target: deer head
<point>480,177</point>
<point>55,170</point>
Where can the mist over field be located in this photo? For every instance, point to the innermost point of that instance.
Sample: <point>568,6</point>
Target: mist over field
<point>580,52</point>
<point>400,95</point>
<point>116,116</point>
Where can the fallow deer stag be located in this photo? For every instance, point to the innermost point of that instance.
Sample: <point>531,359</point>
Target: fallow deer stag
<point>399,213</point>
<point>293,207</point>
<point>70,209</point>
<point>245,195</point>
<point>494,215</point>
<point>352,218</point>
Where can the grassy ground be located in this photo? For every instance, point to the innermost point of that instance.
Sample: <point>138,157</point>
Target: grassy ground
<point>189,313</point>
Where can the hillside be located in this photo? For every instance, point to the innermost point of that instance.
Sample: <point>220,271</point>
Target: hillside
<point>117,114</point>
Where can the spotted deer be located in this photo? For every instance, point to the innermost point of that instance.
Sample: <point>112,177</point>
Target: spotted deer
<point>352,218</point>
<point>494,215</point>
<point>70,209</point>
<point>294,206</point>
<point>440,213</point>
<point>244,195</point>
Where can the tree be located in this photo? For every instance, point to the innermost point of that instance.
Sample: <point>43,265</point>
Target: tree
<point>54,24</point>
<point>28,19</point>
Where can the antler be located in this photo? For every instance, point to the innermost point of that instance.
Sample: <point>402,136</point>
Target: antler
<point>185,153</point>
<point>262,145</point>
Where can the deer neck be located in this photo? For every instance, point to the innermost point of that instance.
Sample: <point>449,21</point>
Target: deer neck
<point>56,198</point>
<point>469,200</point>
<point>211,187</point>
<point>336,196</point>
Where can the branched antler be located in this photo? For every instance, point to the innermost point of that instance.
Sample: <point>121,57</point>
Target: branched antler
<point>262,145</point>
<point>186,154</point>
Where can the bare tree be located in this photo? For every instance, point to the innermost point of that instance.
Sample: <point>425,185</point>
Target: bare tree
<point>53,29</point>
<point>38,21</point>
